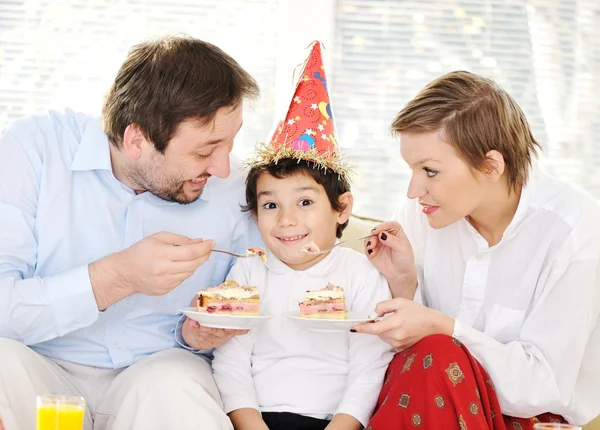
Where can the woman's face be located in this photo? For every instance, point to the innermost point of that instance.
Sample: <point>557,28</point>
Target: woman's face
<point>447,188</point>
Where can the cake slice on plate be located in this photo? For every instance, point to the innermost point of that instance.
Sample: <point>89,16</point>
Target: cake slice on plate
<point>327,303</point>
<point>229,298</point>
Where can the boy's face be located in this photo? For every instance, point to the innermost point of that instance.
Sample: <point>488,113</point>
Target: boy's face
<point>294,211</point>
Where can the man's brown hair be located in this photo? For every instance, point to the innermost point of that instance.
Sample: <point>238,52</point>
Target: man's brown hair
<point>166,81</point>
<point>475,116</point>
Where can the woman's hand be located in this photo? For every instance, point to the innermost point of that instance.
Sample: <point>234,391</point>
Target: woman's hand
<point>408,323</point>
<point>391,253</point>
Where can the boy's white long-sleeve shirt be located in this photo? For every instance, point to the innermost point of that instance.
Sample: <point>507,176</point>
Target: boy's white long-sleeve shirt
<point>282,367</point>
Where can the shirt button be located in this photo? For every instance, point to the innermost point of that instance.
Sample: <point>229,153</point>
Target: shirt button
<point>117,347</point>
<point>479,257</point>
<point>126,302</point>
<point>77,323</point>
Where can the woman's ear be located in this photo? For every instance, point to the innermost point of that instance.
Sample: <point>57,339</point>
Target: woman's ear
<point>346,201</point>
<point>494,165</point>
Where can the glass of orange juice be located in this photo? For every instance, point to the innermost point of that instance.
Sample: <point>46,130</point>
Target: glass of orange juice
<point>555,426</point>
<point>56,412</point>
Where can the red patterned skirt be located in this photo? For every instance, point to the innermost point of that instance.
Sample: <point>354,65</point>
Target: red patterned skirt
<point>437,384</point>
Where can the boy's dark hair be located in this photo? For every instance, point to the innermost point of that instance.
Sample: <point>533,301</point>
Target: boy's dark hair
<point>169,80</point>
<point>334,184</point>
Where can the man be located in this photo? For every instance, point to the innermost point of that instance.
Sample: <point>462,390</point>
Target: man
<point>101,242</point>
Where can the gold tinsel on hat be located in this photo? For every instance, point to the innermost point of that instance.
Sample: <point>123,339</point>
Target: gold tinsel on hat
<point>266,155</point>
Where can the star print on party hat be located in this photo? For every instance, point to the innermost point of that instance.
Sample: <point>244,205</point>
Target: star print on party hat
<point>307,132</point>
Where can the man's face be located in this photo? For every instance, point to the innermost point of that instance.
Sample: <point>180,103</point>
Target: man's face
<point>195,153</point>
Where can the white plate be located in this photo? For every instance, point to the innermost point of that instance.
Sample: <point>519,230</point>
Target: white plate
<point>224,321</point>
<point>322,324</point>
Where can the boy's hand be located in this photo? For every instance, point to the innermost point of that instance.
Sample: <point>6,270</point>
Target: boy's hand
<point>344,422</point>
<point>200,337</point>
<point>247,419</point>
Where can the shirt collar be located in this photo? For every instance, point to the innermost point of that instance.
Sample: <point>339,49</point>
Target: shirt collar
<point>94,151</point>
<point>322,268</point>
<point>525,201</point>
<point>94,154</point>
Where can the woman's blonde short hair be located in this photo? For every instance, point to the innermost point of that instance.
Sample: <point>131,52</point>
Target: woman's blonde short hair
<point>475,116</point>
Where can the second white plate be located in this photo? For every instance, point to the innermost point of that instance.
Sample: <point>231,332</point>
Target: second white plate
<point>327,324</point>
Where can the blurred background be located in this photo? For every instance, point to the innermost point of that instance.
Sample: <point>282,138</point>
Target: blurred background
<point>379,53</point>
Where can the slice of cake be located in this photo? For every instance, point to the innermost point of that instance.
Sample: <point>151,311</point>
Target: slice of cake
<point>229,298</point>
<point>261,253</point>
<point>328,303</point>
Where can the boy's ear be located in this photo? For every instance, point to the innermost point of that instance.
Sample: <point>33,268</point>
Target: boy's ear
<point>346,200</point>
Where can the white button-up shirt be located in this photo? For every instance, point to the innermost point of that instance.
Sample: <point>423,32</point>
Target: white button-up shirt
<point>61,208</point>
<point>527,308</point>
<point>282,367</point>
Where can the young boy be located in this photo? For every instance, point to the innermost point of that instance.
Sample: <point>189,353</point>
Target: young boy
<point>281,375</point>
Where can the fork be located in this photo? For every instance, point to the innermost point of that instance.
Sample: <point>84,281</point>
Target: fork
<point>233,254</point>
<point>323,251</point>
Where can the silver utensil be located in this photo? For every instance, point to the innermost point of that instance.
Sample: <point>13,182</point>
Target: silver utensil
<point>323,251</point>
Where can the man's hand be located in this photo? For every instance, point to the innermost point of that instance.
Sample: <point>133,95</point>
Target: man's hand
<point>200,337</point>
<point>153,266</point>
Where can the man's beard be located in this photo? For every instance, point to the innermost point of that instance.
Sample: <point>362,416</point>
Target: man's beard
<point>168,188</point>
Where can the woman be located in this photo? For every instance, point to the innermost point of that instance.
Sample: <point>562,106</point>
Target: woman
<point>504,260</point>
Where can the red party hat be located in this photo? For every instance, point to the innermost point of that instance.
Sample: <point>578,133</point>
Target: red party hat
<point>307,132</point>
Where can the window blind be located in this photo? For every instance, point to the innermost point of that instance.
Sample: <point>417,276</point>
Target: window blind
<point>56,54</point>
<point>546,54</point>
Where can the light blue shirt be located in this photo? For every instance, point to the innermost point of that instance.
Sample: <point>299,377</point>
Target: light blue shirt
<point>62,208</point>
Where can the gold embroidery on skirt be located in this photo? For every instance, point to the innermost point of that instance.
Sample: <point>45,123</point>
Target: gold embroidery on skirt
<point>473,408</point>
<point>416,420</point>
<point>477,393</point>
<point>455,374</point>
<point>403,402</point>
<point>457,342</point>
<point>461,423</point>
<point>439,401</point>
<point>409,362</point>
<point>388,378</point>
<point>427,361</point>
<point>517,426</point>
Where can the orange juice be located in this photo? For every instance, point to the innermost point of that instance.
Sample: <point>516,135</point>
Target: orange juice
<point>60,417</point>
